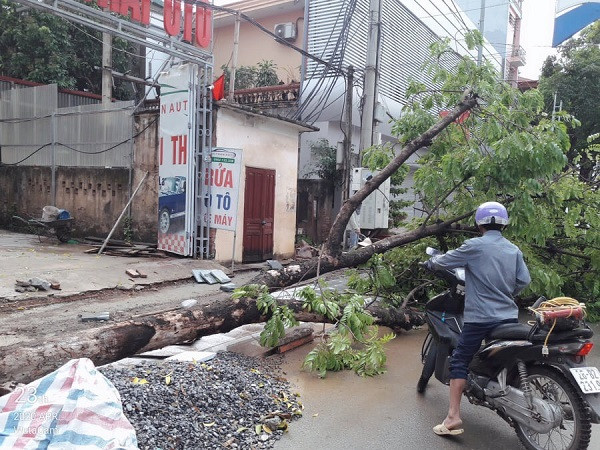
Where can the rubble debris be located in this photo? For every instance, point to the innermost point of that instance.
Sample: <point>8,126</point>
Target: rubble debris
<point>274,264</point>
<point>55,285</point>
<point>189,303</point>
<point>228,287</point>
<point>305,251</point>
<point>132,273</point>
<point>116,247</point>
<point>39,283</point>
<point>95,316</point>
<point>230,394</point>
<point>35,284</point>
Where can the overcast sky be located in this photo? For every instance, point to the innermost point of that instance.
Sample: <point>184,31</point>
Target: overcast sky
<point>537,27</point>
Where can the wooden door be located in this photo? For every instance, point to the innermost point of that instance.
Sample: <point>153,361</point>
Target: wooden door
<point>259,207</point>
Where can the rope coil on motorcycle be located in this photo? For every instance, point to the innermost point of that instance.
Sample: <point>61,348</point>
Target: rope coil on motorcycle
<point>558,310</point>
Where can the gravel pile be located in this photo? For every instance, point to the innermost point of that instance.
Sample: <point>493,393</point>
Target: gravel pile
<point>232,401</point>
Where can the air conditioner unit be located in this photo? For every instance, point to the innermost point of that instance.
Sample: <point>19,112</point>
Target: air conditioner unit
<point>286,31</point>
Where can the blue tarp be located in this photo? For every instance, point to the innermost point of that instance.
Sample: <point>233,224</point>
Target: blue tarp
<point>569,23</point>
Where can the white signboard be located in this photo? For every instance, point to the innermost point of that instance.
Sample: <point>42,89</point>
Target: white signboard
<point>176,159</point>
<point>224,181</point>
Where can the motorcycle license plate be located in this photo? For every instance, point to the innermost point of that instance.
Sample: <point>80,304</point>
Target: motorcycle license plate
<point>588,379</point>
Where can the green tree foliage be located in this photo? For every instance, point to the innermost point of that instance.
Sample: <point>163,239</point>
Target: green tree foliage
<point>40,47</point>
<point>509,150</point>
<point>353,344</point>
<point>324,164</point>
<point>246,77</point>
<point>575,79</point>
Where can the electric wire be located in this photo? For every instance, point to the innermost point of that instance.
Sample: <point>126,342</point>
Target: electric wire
<point>81,151</point>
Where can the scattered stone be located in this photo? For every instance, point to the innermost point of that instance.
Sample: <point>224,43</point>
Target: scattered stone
<point>274,264</point>
<point>55,285</point>
<point>20,288</point>
<point>139,287</point>
<point>189,303</point>
<point>272,422</point>
<point>22,283</point>
<point>203,405</point>
<point>142,274</point>
<point>31,289</point>
<point>40,284</point>
<point>95,316</point>
<point>228,287</point>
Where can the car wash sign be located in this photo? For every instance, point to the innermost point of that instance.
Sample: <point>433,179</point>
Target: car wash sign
<point>223,179</point>
<point>196,20</point>
<point>176,159</point>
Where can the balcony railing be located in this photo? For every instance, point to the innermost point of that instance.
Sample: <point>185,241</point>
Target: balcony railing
<point>269,97</point>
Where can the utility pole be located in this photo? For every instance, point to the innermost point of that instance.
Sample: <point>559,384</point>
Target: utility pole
<point>347,144</point>
<point>234,57</point>
<point>481,30</point>
<point>106,68</point>
<point>371,77</point>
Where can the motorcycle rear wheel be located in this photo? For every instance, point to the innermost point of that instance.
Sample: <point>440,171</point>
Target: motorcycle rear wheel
<point>428,357</point>
<point>575,431</point>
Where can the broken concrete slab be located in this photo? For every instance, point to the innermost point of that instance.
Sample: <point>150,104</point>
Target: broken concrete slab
<point>213,342</point>
<point>208,277</point>
<point>220,276</point>
<point>166,352</point>
<point>204,276</point>
<point>192,356</point>
<point>274,264</point>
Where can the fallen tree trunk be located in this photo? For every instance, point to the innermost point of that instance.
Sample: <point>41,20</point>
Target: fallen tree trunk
<point>300,270</point>
<point>108,343</point>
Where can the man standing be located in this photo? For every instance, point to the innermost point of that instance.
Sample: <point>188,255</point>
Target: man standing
<point>494,273</point>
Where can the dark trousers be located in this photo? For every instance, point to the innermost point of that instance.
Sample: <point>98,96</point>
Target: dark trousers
<point>469,342</point>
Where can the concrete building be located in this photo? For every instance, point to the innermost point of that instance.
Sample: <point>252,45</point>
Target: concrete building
<point>337,33</point>
<point>502,28</point>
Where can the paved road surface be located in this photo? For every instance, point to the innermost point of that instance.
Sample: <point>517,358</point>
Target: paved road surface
<point>345,412</point>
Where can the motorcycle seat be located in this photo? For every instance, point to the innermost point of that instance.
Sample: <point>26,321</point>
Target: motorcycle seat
<point>583,332</point>
<point>511,331</point>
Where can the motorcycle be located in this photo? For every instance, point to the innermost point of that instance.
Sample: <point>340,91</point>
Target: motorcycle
<point>533,376</point>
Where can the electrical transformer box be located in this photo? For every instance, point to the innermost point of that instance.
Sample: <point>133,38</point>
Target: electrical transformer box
<point>375,209</point>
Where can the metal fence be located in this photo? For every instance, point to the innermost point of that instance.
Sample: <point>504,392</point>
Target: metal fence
<point>35,131</point>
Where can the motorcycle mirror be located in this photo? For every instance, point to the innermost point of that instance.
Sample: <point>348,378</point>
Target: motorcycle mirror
<point>432,251</point>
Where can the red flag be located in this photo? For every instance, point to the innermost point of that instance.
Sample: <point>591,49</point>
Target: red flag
<point>219,88</point>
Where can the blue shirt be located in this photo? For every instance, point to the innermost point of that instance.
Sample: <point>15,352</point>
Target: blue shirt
<point>494,273</point>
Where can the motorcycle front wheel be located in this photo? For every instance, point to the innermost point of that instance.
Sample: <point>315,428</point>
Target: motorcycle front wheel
<point>428,356</point>
<point>575,430</point>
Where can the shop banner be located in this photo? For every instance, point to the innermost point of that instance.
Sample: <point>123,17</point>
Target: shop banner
<point>224,178</point>
<point>176,159</point>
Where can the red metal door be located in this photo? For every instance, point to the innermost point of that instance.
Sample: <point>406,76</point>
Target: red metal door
<point>259,206</point>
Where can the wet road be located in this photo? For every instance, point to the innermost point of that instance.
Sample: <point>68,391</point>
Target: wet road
<point>344,411</point>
